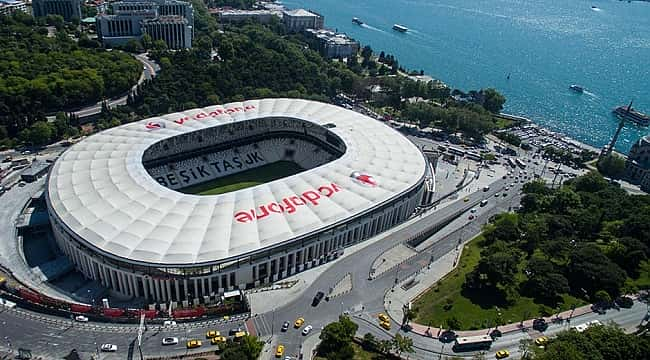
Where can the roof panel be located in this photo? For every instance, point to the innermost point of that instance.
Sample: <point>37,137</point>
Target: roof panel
<point>100,189</point>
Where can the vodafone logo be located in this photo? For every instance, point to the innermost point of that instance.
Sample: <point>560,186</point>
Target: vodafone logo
<point>363,179</point>
<point>154,125</point>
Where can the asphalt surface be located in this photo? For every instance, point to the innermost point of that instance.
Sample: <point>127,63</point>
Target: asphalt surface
<point>55,337</point>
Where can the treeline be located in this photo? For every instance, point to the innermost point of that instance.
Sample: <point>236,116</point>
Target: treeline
<point>43,74</point>
<point>598,342</point>
<point>587,238</point>
<point>245,62</point>
<point>470,119</point>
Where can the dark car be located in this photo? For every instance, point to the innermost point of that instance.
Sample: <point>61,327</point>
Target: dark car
<point>234,331</point>
<point>285,326</point>
<point>319,296</point>
<point>540,324</point>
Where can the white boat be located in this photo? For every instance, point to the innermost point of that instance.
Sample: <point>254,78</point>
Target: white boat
<point>577,88</point>
<point>357,21</point>
<point>400,28</point>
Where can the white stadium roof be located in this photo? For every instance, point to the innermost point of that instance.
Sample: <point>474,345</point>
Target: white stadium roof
<point>100,190</point>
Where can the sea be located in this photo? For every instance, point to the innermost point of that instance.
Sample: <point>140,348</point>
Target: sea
<point>543,45</point>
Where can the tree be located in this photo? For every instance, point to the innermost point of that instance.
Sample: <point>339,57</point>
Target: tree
<point>601,297</point>
<point>369,342</point>
<point>496,268</point>
<point>40,133</point>
<point>384,346</point>
<point>336,339</point>
<point>590,269</point>
<point>147,41</point>
<point>524,348</point>
<point>492,100</point>
<point>544,281</point>
<point>402,344</point>
<point>612,165</point>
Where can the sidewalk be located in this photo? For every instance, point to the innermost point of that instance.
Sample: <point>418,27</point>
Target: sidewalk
<point>397,297</point>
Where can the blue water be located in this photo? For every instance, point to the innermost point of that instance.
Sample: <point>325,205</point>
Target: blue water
<point>544,45</point>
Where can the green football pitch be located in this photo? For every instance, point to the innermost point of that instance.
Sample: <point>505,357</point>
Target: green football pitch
<point>244,179</point>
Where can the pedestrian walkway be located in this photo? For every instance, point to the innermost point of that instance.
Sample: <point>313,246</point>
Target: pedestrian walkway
<point>409,289</point>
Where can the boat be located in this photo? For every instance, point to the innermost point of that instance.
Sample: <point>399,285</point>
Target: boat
<point>628,113</point>
<point>577,88</point>
<point>594,7</point>
<point>357,21</point>
<point>400,28</point>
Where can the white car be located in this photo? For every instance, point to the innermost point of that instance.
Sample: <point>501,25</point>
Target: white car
<point>170,341</point>
<point>307,329</point>
<point>169,323</point>
<point>109,347</point>
<point>81,318</point>
<point>473,210</point>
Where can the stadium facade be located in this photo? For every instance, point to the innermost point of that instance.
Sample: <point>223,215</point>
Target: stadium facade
<point>118,211</point>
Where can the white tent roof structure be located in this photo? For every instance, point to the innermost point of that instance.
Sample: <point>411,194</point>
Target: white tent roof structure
<point>102,194</point>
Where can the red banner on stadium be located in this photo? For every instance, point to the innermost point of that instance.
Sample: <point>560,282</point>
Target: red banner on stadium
<point>80,308</point>
<point>113,312</point>
<point>29,295</point>
<point>188,313</point>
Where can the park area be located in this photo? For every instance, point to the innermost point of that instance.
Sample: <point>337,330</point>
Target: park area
<point>448,305</point>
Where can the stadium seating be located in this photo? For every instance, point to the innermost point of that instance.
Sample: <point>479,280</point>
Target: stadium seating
<point>178,174</point>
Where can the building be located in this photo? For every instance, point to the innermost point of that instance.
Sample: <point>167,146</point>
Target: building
<point>637,165</point>
<point>67,8</point>
<point>118,210</point>
<point>8,7</point>
<point>333,45</point>
<point>237,16</point>
<point>35,171</point>
<point>169,20</point>
<point>174,30</point>
<point>300,20</point>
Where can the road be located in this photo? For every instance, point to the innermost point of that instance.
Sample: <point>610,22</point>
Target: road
<point>150,69</point>
<point>369,294</point>
<point>56,337</point>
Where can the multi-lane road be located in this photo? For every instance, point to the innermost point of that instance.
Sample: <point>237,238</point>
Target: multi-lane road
<point>52,337</point>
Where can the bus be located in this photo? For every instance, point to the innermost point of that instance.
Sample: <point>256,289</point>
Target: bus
<point>473,156</point>
<point>521,163</point>
<point>456,151</point>
<point>472,343</point>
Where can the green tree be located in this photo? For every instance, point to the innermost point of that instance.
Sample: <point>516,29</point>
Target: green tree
<point>493,100</point>
<point>601,297</point>
<point>590,269</point>
<point>612,165</point>
<point>40,133</point>
<point>336,339</point>
<point>544,280</point>
<point>402,344</point>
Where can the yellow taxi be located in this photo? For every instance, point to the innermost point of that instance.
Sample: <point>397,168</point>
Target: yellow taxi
<point>239,335</point>
<point>385,324</point>
<point>211,334</point>
<point>279,351</point>
<point>541,341</point>
<point>502,354</point>
<point>299,322</point>
<point>466,199</point>
<point>383,317</point>
<point>191,344</point>
<point>218,340</point>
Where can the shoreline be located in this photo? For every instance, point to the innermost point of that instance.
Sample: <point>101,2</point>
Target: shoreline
<point>561,137</point>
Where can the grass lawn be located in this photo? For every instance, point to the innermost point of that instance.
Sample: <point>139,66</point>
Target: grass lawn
<point>476,311</point>
<point>244,179</point>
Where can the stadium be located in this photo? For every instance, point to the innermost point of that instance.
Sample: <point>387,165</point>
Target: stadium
<point>188,205</point>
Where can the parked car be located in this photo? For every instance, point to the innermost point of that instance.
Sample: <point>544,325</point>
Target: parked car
<point>169,323</point>
<point>81,318</point>
<point>109,347</point>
